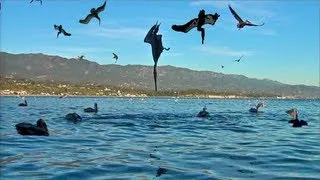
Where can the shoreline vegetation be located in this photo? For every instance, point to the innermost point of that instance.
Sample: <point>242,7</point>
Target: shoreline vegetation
<point>24,87</point>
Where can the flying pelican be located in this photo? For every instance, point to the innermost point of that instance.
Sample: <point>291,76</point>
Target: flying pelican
<point>242,23</point>
<point>59,28</point>
<point>239,59</point>
<point>80,57</point>
<point>36,0</point>
<point>115,57</point>
<point>222,66</point>
<point>93,13</point>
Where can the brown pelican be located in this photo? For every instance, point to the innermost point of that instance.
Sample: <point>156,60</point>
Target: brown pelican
<point>36,0</point>
<point>29,129</point>
<point>155,41</point>
<point>294,118</point>
<point>239,59</point>
<point>115,57</point>
<point>255,110</point>
<point>80,57</point>
<point>23,104</point>
<point>93,13</point>
<point>198,22</point>
<point>90,110</point>
<point>242,23</point>
<point>203,113</point>
<point>60,30</point>
<point>73,117</point>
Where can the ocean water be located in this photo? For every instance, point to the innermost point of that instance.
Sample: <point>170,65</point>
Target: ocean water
<point>116,143</point>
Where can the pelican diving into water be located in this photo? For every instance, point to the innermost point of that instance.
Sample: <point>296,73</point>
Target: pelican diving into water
<point>61,30</point>
<point>242,23</point>
<point>155,41</point>
<point>94,13</point>
<point>115,56</point>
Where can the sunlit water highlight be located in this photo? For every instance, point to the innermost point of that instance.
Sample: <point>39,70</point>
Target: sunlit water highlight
<point>116,143</point>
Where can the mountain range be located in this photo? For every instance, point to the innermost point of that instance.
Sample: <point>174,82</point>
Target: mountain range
<point>41,67</point>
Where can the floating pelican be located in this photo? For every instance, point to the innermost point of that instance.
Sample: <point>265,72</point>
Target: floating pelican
<point>73,117</point>
<point>255,110</point>
<point>90,110</point>
<point>94,13</point>
<point>23,104</point>
<point>203,113</point>
<point>242,23</point>
<point>29,129</point>
<point>294,118</point>
<point>60,30</point>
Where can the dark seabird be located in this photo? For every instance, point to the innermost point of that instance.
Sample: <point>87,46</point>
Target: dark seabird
<point>73,117</point>
<point>93,13</point>
<point>294,118</point>
<point>36,130</point>
<point>203,113</point>
<point>23,104</point>
<point>238,60</point>
<point>198,22</point>
<point>242,23</point>
<point>222,66</point>
<point>80,57</point>
<point>60,30</point>
<point>115,56</point>
<point>161,171</point>
<point>92,110</point>
<point>155,41</point>
<point>36,0</point>
<point>255,110</point>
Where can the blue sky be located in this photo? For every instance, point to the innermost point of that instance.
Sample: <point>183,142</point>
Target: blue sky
<point>285,49</point>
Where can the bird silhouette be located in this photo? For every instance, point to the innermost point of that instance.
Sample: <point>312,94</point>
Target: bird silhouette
<point>238,60</point>
<point>197,22</point>
<point>80,57</point>
<point>93,13</point>
<point>222,66</point>
<point>242,23</point>
<point>155,40</point>
<point>115,57</point>
<point>60,30</point>
<point>36,0</point>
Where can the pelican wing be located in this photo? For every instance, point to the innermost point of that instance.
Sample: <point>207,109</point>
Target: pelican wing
<point>65,33</point>
<point>31,1</point>
<point>186,27</point>
<point>250,24</point>
<point>56,27</point>
<point>235,14</point>
<point>101,8</point>
<point>86,20</point>
<point>115,56</point>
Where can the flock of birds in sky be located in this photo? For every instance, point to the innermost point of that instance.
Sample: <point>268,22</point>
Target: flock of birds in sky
<point>154,39</point>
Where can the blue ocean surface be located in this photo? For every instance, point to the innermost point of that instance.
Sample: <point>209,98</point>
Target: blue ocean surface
<point>131,138</point>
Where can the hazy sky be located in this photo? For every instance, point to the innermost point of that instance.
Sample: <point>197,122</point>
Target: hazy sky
<point>286,48</point>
